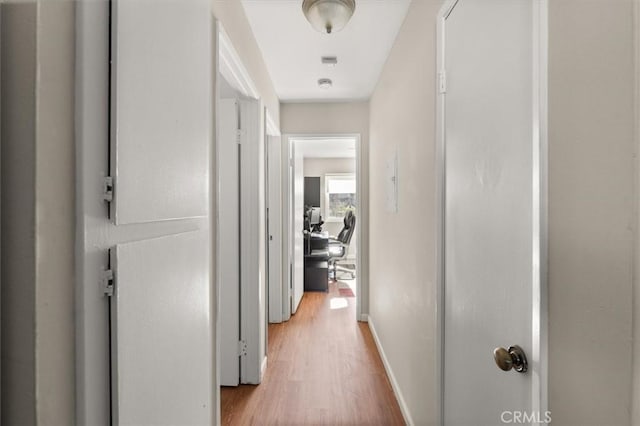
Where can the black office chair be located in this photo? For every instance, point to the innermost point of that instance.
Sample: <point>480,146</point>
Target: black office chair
<point>339,246</point>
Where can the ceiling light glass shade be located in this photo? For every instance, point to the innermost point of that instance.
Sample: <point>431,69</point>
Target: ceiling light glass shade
<point>325,83</point>
<point>328,16</point>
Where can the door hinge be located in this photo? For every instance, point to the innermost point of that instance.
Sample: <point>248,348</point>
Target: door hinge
<point>442,81</point>
<point>242,348</point>
<point>108,282</point>
<point>239,137</point>
<point>107,189</point>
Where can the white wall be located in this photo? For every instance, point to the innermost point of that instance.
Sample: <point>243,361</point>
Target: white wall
<point>338,118</point>
<point>403,282</point>
<point>38,214</point>
<point>320,167</point>
<point>55,214</point>
<point>591,196</point>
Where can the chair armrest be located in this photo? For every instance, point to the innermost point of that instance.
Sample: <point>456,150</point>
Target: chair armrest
<point>337,250</point>
<point>318,255</point>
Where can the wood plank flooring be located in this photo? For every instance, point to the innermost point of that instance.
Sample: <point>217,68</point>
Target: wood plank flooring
<point>323,368</point>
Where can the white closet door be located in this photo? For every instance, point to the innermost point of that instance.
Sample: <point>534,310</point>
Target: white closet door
<point>161,121</point>
<point>161,333</point>
<point>252,242</point>
<point>492,236</point>
<point>274,162</point>
<point>161,109</point>
<point>229,241</point>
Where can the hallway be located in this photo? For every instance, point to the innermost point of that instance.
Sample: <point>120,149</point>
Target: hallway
<point>323,368</point>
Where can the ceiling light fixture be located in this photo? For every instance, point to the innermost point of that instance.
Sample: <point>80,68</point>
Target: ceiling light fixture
<point>328,15</point>
<point>325,83</point>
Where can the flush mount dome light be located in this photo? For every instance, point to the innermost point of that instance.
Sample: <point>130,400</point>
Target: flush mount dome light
<point>325,83</point>
<point>328,16</point>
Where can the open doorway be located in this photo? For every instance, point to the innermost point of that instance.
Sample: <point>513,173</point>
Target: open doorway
<point>241,223</point>
<point>324,204</point>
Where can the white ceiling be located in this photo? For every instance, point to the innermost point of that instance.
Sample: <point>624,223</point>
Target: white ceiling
<point>327,148</point>
<point>292,48</point>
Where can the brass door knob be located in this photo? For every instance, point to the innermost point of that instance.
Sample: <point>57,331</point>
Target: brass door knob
<point>512,358</point>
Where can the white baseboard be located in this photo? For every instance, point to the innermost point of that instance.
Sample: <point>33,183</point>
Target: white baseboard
<point>364,318</point>
<point>394,383</point>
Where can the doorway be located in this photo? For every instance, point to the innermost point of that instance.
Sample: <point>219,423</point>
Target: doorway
<point>241,241</point>
<point>330,166</point>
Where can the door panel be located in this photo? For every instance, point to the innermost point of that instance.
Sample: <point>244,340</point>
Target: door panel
<point>275,229</point>
<point>489,235</point>
<point>161,96</point>
<point>252,241</point>
<point>298,226</point>
<point>161,331</point>
<point>229,241</point>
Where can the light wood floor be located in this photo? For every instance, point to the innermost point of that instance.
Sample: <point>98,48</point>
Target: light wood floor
<point>323,368</point>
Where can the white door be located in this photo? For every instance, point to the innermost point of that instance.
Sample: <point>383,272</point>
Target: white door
<point>297,224</point>
<point>274,213</point>
<point>161,316</point>
<point>253,291</point>
<point>491,218</point>
<point>241,242</point>
<point>228,240</point>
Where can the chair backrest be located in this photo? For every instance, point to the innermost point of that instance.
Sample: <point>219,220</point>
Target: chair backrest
<point>347,230</point>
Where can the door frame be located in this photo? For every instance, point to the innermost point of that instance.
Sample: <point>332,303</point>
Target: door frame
<point>362,206</point>
<point>539,357</point>
<point>635,409</point>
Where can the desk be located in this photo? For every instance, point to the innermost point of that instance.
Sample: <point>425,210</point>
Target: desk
<point>314,241</point>
<point>316,262</point>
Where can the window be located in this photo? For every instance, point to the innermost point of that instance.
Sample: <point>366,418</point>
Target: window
<point>341,195</point>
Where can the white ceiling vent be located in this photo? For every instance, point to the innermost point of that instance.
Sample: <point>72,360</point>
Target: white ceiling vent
<point>330,61</point>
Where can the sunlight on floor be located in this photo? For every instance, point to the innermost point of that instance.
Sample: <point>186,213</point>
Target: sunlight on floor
<point>339,303</point>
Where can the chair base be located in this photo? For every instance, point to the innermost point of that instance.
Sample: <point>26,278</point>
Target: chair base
<point>334,269</point>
